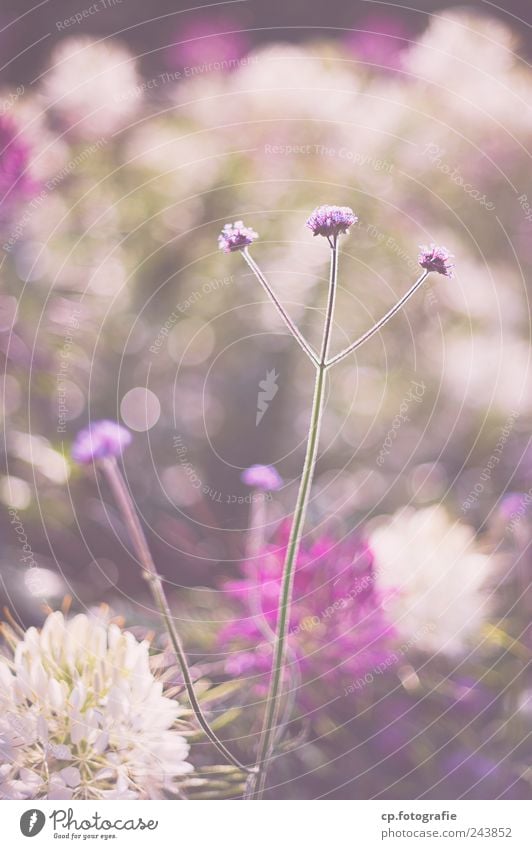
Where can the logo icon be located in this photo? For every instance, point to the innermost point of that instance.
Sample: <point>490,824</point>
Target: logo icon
<point>268,390</point>
<point>32,822</point>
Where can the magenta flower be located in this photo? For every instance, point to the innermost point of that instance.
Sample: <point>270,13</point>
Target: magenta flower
<point>330,221</point>
<point>380,40</point>
<point>337,625</point>
<point>262,477</point>
<point>212,42</point>
<point>434,258</point>
<point>15,181</point>
<point>100,440</point>
<point>235,237</point>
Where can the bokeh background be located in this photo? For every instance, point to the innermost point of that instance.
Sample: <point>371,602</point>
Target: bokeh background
<point>128,138</point>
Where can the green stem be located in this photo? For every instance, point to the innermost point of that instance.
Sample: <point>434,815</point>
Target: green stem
<point>256,782</point>
<point>296,333</point>
<point>382,321</point>
<point>125,503</point>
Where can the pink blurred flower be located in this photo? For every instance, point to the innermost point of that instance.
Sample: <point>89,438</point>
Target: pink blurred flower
<point>262,477</point>
<point>208,39</point>
<point>337,624</point>
<point>15,181</point>
<point>380,39</point>
<point>100,440</point>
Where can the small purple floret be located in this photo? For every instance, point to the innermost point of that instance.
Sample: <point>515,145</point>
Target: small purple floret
<point>434,258</point>
<point>100,440</point>
<point>235,237</point>
<point>330,221</point>
<point>266,478</point>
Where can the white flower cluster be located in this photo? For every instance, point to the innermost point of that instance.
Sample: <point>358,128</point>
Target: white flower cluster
<point>82,717</point>
<point>92,86</point>
<point>435,578</point>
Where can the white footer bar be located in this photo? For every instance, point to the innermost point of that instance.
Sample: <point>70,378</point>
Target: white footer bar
<point>268,825</point>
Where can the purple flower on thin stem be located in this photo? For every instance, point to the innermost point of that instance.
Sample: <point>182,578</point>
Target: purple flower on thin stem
<point>236,237</point>
<point>266,478</point>
<point>99,441</point>
<point>330,221</point>
<point>436,258</point>
<point>104,440</point>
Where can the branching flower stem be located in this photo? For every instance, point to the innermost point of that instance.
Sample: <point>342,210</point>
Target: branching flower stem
<point>280,309</point>
<point>376,327</point>
<point>123,498</point>
<point>256,783</point>
<point>257,780</point>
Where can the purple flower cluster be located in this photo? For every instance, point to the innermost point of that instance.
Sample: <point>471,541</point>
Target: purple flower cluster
<point>235,237</point>
<point>337,624</point>
<point>100,440</point>
<point>266,478</point>
<point>15,181</point>
<point>434,258</point>
<point>330,221</point>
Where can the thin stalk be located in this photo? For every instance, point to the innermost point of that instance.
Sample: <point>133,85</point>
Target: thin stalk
<point>280,309</point>
<point>376,327</point>
<point>255,544</point>
<point>256,783</point>
<point>129,514</point>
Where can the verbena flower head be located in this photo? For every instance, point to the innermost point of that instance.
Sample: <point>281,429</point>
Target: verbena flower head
<point>439,577</point>
<point>235,237</point>
<point>330,221</point>
<point>100,440</point>
<point>262,477</point>
<point>434,258</point>
<point>337,625</point>
<point>82,716</point>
